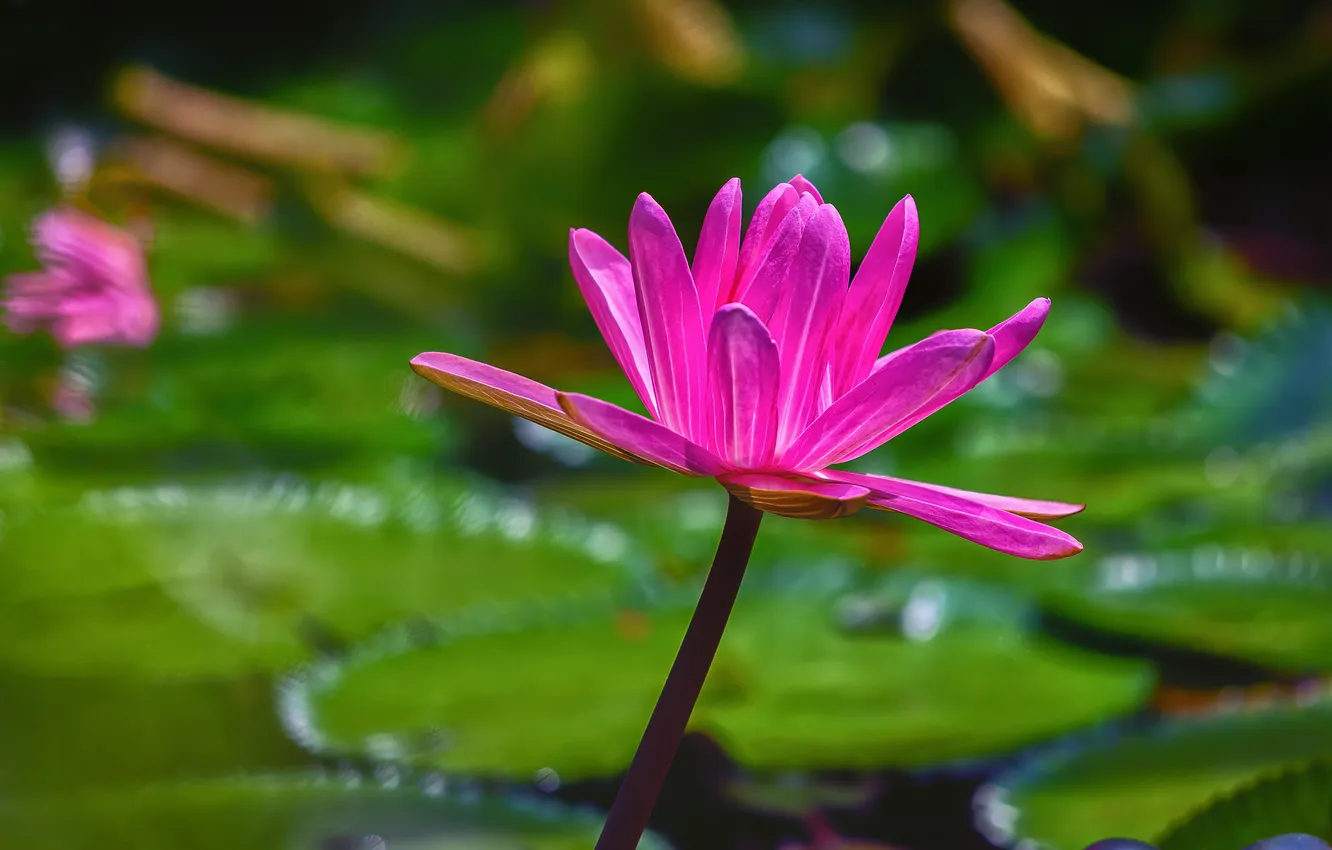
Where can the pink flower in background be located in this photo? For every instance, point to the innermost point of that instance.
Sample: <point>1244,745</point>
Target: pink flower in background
<point>94,287</point>
<point>759,365</point>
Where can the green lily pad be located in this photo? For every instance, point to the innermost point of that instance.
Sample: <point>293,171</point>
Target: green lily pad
<point>327,397</point>
<point>1259,605</point>
<point>213,579</point>
<point>1294,801</point>
<point>791,688</point>
<point>679,520</point>
<point>63,733</point>
<point>296,813</point>
<point>1138,785</point>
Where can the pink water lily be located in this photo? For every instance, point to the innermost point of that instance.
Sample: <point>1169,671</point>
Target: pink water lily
<point>759,365</point>
<point>94,287</point>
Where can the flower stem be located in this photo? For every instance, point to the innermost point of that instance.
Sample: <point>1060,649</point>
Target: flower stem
<point>638,793</point>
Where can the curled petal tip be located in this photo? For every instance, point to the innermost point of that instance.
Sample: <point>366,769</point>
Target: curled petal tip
<point>644,201</point>
<point>1073,548</point>
<point>805,187</point>
<point>906,208</point>
<point>648,212</point>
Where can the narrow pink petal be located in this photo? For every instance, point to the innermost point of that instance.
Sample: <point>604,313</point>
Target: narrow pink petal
<point>812,299</point>
<point>802,185</point>
<point>672,319</point>
<point>607,283</point>
<point>764,290</point>
<point>718,250</point>
<point>510,393</point>
<point>872,412</point>
<point>798,498</point>
<point>1016,332</point>
<point>1030,508</point>
<point>1010,337</point>
<point>825,389</point>
<point>771,212</point>
<point>967,518</point>
<point>745,371</point>
<point>876,295</point>
<point>640,436</point>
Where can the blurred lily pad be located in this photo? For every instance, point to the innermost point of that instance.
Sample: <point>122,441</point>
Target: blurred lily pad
<point>1259,605</point>
<point>1138,785</point>
<point>791,688</point>
<point>208,578</point>
<point>65,732</point>
<point>1297,801</point>
<point>1270,386</point>
<point>679,521</point>
<point>296,813</point>
<point>327,397</point>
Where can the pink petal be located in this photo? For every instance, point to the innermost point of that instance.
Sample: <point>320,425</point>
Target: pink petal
<point>873,411</point>
<point>607,284</point>
<point>876,294</point>
<point>825,389</point>
<point>801,185</point>
<point>89,248</point>
<point>139,321</point>
<point>109,317</point>
<point>90,327</point>
<point>672,319</point>
<point>812,301</point>
<point>798,498</point>
<point>764,290</point>
<point>1030,508</point>
<point>1016,332</point>
<point>718,250</point>
<point>640,436</point>
<point>745,370</point>
<point>510,393</point>
<point>771,212</point>
<point>44,284</point>
<point>30,299</point>
<point>1010,336</point>
<point>968,519</point>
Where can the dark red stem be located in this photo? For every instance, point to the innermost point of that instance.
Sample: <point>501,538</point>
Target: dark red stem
<point>638,793</point>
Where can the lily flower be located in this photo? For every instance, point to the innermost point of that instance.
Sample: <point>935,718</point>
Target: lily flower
<point>759,365</point>
<point>94,287</point>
